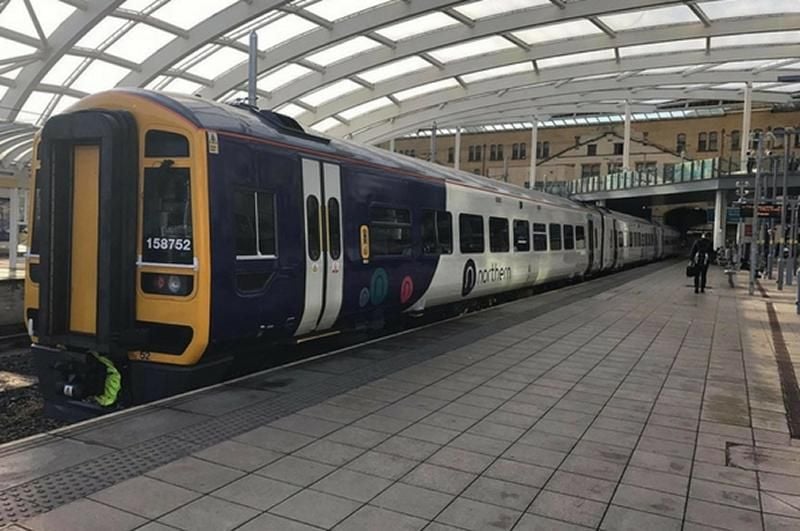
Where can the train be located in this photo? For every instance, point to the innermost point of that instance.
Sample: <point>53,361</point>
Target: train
<point>171,233</point>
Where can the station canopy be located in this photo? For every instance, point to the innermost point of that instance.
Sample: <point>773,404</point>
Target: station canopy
<point>372,70</point>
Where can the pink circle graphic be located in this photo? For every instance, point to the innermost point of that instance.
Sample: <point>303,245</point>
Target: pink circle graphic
<point>406,289</point>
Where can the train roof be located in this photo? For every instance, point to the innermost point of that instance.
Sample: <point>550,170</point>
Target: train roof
<point>247,121</point>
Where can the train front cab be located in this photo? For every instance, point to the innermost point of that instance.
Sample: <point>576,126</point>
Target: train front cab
<point>101,284</point>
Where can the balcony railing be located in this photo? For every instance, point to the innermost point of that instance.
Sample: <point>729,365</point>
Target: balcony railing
<point>688,171</point>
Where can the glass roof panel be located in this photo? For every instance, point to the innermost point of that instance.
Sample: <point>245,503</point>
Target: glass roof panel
<point>290,109</point>
<point>136,5</point>
<point>740,65</point>
<point>330,92</point>
<point>139,43</point>
<point>663,47</point>
<point>729,86</point>
<point>343,50</point>
<point>49,13</point>
<point>648,18</point>
<point>60,71</point>
<point>517,68</point>
<point>557,32</point>
<point>663,70</point>
<point>101,31</point>
<point>99,75</point>
<point>472,48</point>
<point>183,86</point>
<point>583,57</point>
<point>488,8</point>
<point>63,103</point>
<point>394,69</point>
<point>417,26</point>
<point>218,62</point>
<point>748,8</point>
<point>339,9</point>
<point>282,76</point>
<point>34,106</point>
<point>3,90</point>
<point>426,89</point>
<point>364,108</point>
<point>791,87</point>
<point>750,39</point>
<point>9,48</point>
<point>282,30</point>
<point>188,13</point>
<point>326,125</point>
<point>157,82</point>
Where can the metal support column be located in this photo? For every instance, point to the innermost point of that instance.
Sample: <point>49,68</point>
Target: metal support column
<point>13,229</point>
<point>719,219</point>
<point>457,149</point>
<point>433,143</point>
<point>754,255</point>
<point>252,70</point>
<point>784,198</point>
<point>745,134</point>
<point>533,152</point>
<point>626,147</point>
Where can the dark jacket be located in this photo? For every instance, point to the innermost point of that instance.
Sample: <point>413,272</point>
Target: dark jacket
<point>701,251</point>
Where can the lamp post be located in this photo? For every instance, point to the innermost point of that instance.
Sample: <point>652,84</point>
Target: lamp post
<point>756,224</point>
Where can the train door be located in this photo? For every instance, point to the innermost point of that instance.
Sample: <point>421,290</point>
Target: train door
<point>87,243</point>
<point>322,198</point>
<point>614,244</point>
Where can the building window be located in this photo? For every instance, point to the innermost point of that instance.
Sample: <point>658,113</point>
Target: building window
<point>590,170</point>
<point>451,153</point>
<point>523,151</point>
<point>736,139</point>
<point>390,231</point>
<point>614,167</point>
<point>498,235</point>
<point>470,229</point>
<point>702,142</point>
<point>713,141</point>
<point>680,143</point>
<point>471,154</point>
<point>478,153</point>
<point>542,150</point>
<point>619,148</point>
<point>577,140</point>
<point>591,150</point>
<point>493,152</point>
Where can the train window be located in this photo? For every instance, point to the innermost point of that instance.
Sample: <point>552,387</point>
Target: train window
<point>165,144</point>
<point>390,231</point>
<point>312,220</point>
<point>522,230</point>
<point>580,237</point>
<point>334,230</point>
<point>539,237</point>
<point>620,239</point>
<point>437,232</point>
<point>555,237</point>
<point>471,228</point>
<point>167,215</point>
<point>254,223</point>
<point>569,237</point>
<point>498,235</point>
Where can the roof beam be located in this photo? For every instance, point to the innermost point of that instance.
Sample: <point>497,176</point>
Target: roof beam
<point>36,24</point>
<point>152,21</point>
<point>699,13</point>
<point>517,41</point>
<point>603,26</point>
<point>468,22</point>
<point>308,15</point>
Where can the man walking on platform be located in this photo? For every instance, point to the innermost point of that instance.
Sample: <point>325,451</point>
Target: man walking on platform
<point>701,258</point>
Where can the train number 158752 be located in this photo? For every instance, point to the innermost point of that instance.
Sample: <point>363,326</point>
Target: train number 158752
<point>167,244</point>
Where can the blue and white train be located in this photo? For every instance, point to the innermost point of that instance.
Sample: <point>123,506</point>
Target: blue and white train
<point>170,232</point>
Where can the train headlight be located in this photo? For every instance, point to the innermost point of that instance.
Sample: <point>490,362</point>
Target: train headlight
<point>174,284</point>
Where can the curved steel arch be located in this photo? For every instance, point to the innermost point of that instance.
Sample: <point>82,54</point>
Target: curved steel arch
<point>451,114</point>
<point>59,42</point>
<point>623,65</point>
<point>503,24</point>
<point>322,38</point>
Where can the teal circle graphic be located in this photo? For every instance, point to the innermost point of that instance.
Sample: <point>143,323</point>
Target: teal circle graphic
<point>379,286</point>
<point>363,297</point>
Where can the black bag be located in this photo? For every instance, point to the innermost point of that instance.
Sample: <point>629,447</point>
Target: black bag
<point>691,270</point>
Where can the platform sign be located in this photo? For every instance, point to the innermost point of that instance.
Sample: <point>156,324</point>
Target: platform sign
<point>733,215</point>
<point>769,211</point>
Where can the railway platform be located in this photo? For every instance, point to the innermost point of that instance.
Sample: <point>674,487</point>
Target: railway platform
<point>626,402</point>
